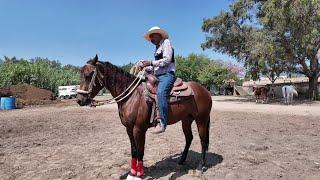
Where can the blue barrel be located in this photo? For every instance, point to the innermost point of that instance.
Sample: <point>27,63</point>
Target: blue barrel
<point>8,103</point>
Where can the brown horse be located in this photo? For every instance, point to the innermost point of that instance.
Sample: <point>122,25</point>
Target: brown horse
<point>261,93</point>
<point>134,111</point>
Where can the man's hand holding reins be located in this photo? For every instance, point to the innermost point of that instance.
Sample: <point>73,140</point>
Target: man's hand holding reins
<point>144,63</point>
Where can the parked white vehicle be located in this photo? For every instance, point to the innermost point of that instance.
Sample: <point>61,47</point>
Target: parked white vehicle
<point>67,92</point>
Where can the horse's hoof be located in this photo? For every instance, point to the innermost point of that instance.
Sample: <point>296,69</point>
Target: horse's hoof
<point>204,168</point>
<point>180,162</point>
<point>129,177</point>
<point>201,168</point>
<point>198,172</point>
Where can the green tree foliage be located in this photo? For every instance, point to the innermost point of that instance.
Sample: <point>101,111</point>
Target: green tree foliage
<point>127,67</point>
<point>38,72</point>
<point>202,69</point>
<point>215,73</point>
<point>188,68</point>
<point>269,36</point>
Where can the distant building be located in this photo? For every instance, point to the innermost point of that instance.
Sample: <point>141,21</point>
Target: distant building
<point>301,83</point>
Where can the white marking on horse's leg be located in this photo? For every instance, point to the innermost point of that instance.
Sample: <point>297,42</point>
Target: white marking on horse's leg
<point>129,177</point>
<point>137,178</point>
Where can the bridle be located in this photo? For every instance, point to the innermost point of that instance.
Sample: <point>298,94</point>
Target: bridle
<point>117,99</point>
<point>92,82</point>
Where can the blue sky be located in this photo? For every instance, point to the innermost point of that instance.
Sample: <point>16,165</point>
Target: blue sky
<point>72,31</point>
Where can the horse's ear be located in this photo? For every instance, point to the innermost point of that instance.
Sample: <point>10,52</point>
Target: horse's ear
<point>95,60</point>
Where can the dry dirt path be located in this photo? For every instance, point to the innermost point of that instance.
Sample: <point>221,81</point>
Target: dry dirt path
<point>247,141</point>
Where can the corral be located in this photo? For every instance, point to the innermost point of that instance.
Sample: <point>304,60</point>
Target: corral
<point>247,141</point>
<point>301,83</point>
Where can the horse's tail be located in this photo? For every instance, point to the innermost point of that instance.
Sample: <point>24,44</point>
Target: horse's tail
<point>208,134</point>
<point>295,92</point>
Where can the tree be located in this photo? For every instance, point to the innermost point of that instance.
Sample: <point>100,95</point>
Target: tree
<point>200,68</point>
<point>188,68</point>
<point>214,74</point>
<point>274,31</point>
<point>127,67</point>
<point>236,69</point>
<point>39,72</point>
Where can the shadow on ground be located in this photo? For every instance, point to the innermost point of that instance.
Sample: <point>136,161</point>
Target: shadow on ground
<point>170,165</point>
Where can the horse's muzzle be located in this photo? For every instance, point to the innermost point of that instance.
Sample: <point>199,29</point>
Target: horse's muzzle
<point>83,100</point>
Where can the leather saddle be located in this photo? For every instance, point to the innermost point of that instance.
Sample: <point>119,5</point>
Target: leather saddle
<point>179,91</point>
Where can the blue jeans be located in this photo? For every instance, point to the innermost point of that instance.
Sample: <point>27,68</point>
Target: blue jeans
<point>165,85</point>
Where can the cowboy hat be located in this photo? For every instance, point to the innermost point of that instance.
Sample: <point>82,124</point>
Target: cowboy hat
<point>156,29</point>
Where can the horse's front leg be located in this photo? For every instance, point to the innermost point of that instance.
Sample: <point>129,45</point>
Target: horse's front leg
<point>134,160</point>
<point>139,134</point>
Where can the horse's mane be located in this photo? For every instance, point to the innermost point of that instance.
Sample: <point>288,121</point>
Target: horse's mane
<point>117,69</point>
<point>114,67</point>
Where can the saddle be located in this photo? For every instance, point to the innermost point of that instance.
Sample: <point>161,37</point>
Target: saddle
<point>179,91</point>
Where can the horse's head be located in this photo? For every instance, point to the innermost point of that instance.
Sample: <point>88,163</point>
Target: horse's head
<point>91,82</point>
<point>255,88</point>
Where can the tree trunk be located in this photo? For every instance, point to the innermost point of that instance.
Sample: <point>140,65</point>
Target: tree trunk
<point>313,87</point>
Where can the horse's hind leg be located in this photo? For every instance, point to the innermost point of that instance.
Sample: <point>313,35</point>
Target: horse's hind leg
<point>291,98</point>
<point>186,126</point>
<point>203,129</point>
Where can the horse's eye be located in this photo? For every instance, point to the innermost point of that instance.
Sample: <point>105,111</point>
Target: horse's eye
<point>88,75</point>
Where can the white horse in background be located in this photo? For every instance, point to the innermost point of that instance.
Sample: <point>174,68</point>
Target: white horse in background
<point>288,92</point>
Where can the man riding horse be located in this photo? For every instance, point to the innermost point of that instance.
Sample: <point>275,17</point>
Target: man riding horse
<point>133,108</point>
<point>164,68</point>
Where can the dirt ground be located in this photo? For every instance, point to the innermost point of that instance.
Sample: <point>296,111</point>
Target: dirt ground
<point>27,95</point>
<point>247,141</point>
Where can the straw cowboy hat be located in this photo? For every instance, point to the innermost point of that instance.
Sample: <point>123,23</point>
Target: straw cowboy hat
<point>156,29</point>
